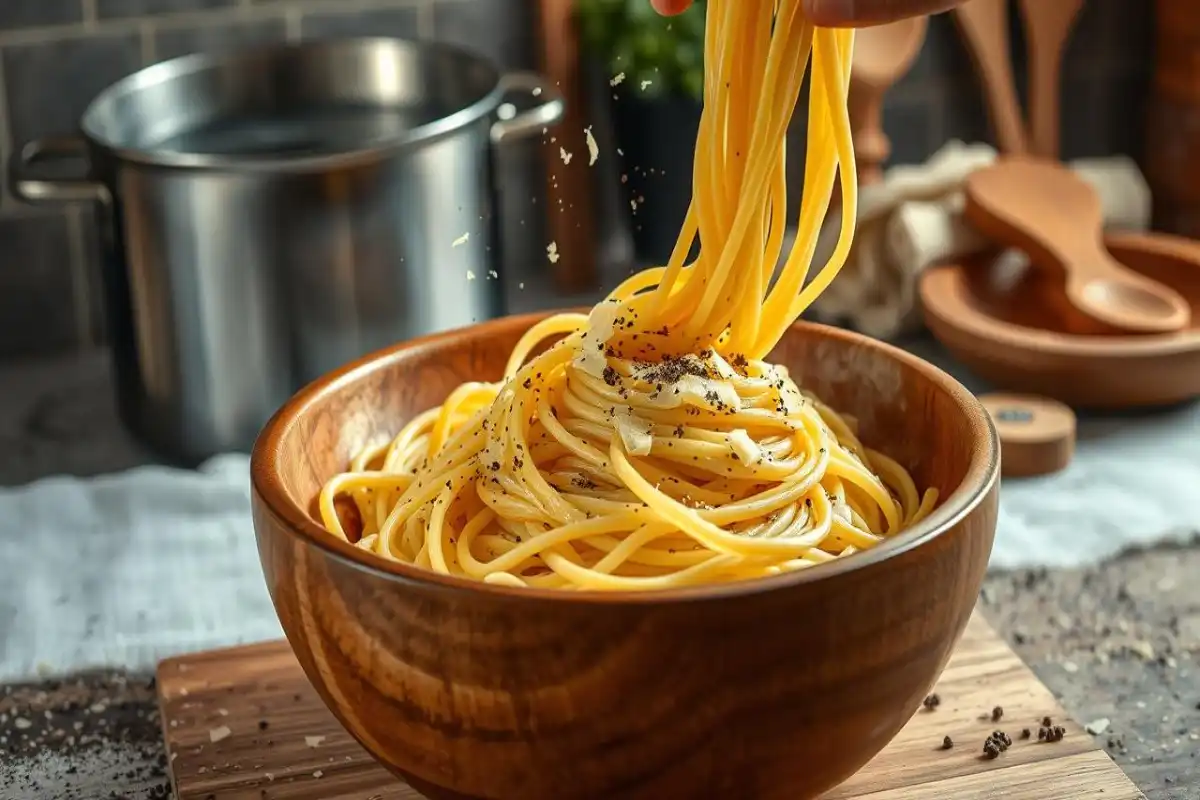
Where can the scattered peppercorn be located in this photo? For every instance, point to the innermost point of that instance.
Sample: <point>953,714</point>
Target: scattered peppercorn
<point>997,714</point>
<point>947,743</point>
<point>1025,734</point>
<point>931,702</point>
<point>1047,722</point>
<point>990,750</point>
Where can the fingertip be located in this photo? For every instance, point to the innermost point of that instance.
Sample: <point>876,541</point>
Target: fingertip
<point>671,7</point>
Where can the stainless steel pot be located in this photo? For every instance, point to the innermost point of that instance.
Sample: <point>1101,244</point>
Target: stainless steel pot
<point>268,215</point>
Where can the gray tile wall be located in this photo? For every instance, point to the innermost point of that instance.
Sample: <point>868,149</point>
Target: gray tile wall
<point>56,54</point>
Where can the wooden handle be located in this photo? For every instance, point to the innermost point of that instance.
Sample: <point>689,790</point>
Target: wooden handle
<point>571,222</point>
<point>871,145</point>
<point>1048,26</point>
<point>1043,103</point>
<point>984,25</point>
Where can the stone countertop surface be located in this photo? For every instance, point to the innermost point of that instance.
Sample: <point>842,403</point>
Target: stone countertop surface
<point>1118,643</point>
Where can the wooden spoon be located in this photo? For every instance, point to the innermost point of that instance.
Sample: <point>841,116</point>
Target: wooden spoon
<point>1048,25</point>
<point>984,25</point>
<point>882,55</point>
<point>1044,209</point>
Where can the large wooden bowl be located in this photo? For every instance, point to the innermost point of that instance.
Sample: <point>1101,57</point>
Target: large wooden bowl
<point>781,687</point>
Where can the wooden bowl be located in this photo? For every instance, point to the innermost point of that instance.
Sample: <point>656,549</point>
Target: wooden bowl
<point>781,687</point>
<point>1013,326</point>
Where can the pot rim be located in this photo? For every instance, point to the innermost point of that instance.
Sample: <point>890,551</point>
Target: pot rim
<point>175,68</point>
<point>981,478</point>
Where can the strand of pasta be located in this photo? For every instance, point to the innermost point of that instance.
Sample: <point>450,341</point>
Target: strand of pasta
<point>651,445</point>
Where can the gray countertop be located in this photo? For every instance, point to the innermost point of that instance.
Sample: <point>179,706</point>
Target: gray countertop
<point>57,416</point>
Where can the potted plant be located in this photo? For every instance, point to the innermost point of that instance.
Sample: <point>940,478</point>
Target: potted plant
<point>656,78</point>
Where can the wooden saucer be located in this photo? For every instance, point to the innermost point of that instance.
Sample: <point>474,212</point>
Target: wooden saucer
<point>1037,434</point>
<point>1013,326</point>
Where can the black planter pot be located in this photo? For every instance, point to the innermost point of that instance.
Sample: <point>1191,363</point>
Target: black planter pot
<point>655,137</point>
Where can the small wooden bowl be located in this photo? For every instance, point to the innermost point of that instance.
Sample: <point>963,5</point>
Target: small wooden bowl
<point>1015,328</point>
<point>780,687</point>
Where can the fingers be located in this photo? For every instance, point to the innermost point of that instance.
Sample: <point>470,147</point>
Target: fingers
<point>671,7</point>
<point>861,13</point>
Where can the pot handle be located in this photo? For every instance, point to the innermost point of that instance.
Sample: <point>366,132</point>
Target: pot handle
<point>31,189</point>
<point>519,124</point>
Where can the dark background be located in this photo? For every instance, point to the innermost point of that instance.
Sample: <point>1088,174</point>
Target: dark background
<point>55,55</point>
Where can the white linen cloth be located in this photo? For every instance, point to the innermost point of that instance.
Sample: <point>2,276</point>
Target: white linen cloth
<point>124,570</point>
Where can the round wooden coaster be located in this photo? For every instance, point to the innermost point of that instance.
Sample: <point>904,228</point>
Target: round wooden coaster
<point>1037,434</point>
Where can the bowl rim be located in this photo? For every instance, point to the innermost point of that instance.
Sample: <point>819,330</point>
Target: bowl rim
<point>945,295</point>
<point>983,473</point>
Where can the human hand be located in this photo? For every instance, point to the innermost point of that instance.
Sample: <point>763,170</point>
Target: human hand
<point>843,13</point>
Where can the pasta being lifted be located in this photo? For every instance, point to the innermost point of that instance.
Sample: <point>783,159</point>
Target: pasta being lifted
<point>651,446</point>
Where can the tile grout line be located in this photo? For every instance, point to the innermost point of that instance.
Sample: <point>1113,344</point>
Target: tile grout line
<point>93,25</point>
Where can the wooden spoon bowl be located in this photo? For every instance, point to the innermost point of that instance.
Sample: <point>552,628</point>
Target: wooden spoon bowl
<point>1015,326</point>
<point>778,687</point>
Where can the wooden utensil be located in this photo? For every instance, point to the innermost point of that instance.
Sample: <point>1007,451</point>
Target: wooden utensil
<point>284,743</point>
<point>489,691</point>
<point>570,224</point>
<point>1048,25</point>
<point>1171,155</point>
<point>1045,210</point>
<point>1012,325</point>
<point>984,26</point>
<point>1037,434</point>
<point>882,55</point>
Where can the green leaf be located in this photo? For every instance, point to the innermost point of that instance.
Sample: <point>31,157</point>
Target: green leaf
<point>633,38</point>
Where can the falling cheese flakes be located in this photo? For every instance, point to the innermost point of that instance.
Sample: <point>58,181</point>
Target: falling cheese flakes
<point>493,274</point>
<point>551,253</point>
<point>564,155</point>
<point>219,734</point>
<point>617,79</point>
<point>470,275</point>
<point>646,85</point>
<point>593,148</point>
<point>314,741</point>
<point>460,241</point>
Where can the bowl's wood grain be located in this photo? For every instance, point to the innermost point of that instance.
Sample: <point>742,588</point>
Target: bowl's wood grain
<point>776,688</point>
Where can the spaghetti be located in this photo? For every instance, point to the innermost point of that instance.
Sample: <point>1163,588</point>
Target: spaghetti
<point>651,446</point>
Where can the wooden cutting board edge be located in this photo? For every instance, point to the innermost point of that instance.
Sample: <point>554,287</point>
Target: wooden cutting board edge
<point>1076,765</point>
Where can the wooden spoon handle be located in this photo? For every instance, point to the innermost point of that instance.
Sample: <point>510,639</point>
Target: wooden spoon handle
<point>984,24</point>
<point>1044,70</point>
<point>871,145</point>
<point>1047,28</point>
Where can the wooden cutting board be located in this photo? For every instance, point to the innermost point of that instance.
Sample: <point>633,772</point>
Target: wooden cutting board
<point>245,723</point>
